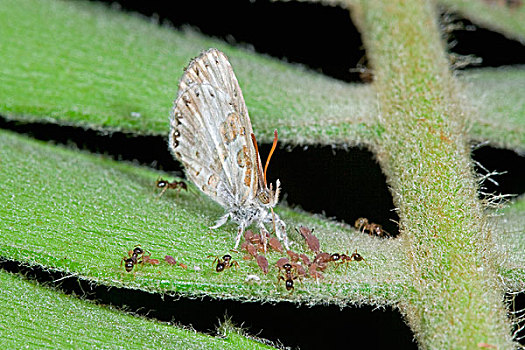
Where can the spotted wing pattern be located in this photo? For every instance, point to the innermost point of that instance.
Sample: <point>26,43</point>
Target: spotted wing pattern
<point>210,131</point>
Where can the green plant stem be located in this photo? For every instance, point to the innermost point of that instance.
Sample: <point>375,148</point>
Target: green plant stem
<point>454,299</point>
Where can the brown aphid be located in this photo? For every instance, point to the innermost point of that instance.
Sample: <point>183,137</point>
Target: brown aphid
<point>263,263</point>
<point>170,260</point>
<point>153,261</point>
<point>275,244</point>
<point>252,237</point>
<point>281,262</point>
<point>249,248</point>
<point>322,258</point>
<point>289,276</point>
<point>305,259</point>
<point>312,271</point>
<point>225,263</point>
<point>304,231</point>
<point>294,257</point>
<point>165,185</point>
<point>299,269</point>
<point>311,240</point>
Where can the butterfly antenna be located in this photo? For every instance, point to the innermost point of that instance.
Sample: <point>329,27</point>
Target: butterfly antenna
<point>262,178</point>
<point>271,153</point>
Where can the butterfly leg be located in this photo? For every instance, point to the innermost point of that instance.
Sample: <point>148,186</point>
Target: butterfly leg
<point>264,235</point>
<point>222,220</point>
<point>280,231</point>
<point>239,235</point>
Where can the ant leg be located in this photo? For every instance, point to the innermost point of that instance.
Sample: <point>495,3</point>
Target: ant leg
<point>162,192</point>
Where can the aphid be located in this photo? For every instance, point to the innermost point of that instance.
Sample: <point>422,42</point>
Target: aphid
<point>250,249</point>
<point>164,184</point>
<point>294,257</point>
<point>275,244</point>
<point>281,262</point>
<point>311,240</point>
<point>305,259</point>
<point>263,263</point>
<point>211,134</point>
<point>312,271</point>
<point>152,261</point>
<point>170,260</point>
<point>289,276</point>
<point>225,263</point>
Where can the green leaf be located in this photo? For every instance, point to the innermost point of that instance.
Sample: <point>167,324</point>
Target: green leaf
<point>497,96</point>
<point>494,15</point>
<point>36,316</point>
<point>82,64</point>
<point>81,214</point>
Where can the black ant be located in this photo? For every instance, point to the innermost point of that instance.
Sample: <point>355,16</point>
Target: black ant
<point>225,263</point>
<point>164,184</point>
<point>134,257</point>
<point>289,276</point>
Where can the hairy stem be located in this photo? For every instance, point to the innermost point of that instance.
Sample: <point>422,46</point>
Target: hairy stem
<point>454,298</point>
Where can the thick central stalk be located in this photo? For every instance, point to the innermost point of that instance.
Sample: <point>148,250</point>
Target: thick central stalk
<point>454,299</point>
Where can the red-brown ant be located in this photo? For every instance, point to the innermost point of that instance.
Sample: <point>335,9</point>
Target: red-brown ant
<point>363,225</point>
<point>164,184</point>
<point>225,263</point>
<point>289,276</point>
<point>354,257</point>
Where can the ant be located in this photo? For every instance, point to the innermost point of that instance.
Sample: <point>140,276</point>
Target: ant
<point>363,225</point>
<point>134,257</point>
<point>290,274</point>
<point>225,263</point>
<point>354,257</point>
<point>164,184</point>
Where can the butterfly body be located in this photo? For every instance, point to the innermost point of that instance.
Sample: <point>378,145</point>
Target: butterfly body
<point>211,134</point>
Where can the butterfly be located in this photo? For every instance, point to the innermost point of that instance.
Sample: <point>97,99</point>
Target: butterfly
<point>211,134</point>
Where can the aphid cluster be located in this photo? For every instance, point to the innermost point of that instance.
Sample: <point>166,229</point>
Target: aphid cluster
<point>295,266</point>
<point>373,229</point>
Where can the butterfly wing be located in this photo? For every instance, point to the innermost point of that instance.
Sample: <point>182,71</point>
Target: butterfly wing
<point>212,67</point>
<point>210,131</point>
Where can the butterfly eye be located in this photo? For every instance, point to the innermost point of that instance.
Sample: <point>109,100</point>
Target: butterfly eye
<point>263,197</point>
